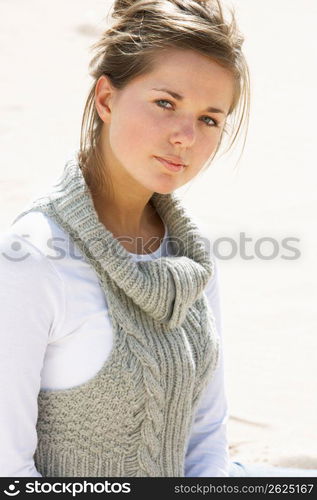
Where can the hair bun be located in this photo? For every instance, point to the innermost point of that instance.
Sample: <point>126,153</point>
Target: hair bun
<point>121,5</point>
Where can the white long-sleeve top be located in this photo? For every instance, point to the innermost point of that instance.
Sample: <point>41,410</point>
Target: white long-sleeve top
<point>56,334</point>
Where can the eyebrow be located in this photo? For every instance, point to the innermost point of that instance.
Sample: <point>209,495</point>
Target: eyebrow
<point>180,97</point>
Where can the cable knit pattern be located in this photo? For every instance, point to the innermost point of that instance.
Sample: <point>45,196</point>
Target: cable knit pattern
<point>133,418</point>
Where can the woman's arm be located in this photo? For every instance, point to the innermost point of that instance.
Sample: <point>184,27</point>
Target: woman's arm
<point>30,301</point>
<point>208,452</point>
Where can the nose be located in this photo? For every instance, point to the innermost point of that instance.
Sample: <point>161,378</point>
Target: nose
<point>183,133</point>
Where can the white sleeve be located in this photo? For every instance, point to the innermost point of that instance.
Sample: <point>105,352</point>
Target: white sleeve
<point>208,451</point>
<point>31,301</point>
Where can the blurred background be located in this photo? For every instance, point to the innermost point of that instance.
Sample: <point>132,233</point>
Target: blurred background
<point>249,210</point>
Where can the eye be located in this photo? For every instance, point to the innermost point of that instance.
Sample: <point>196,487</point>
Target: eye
<point>162,100</point>
<point>214,123</point>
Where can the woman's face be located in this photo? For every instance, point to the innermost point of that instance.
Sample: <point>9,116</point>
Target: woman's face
<point>165,114</point>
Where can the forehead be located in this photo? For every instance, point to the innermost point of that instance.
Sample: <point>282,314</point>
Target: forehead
<point>191,74</point>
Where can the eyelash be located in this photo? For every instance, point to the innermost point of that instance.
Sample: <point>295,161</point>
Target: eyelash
<point>167,109</point>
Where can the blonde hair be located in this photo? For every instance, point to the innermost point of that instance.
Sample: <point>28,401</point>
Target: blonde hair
<point>141,28</point>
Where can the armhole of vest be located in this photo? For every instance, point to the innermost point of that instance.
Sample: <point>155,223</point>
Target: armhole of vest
<point>55,324</point>
<point>61,319</point>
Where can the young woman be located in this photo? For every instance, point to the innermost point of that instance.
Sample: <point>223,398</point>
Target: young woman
<point>113,360</point>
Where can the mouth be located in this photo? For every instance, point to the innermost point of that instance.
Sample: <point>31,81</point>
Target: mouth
<point>173,166</point>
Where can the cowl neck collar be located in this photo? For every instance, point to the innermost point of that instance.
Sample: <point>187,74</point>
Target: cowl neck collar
<point>164,288</point>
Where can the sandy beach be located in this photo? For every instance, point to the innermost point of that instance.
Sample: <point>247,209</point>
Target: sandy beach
<point>268,291</point>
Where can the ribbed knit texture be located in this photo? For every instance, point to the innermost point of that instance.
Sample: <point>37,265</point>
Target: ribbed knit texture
<point>133,418</point>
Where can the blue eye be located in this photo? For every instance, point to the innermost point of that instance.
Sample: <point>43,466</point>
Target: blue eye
<point>163,100</point>
<point>159,101</point>
<point>215,123</point>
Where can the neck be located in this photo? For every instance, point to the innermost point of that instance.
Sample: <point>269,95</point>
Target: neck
<point>128,216</point>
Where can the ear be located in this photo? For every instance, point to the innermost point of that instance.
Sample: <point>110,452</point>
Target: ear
<point>104,93</point>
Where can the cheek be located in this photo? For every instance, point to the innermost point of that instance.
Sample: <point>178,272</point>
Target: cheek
<point>133,132</point>
<point>203,150</point>
<point>206,146</point>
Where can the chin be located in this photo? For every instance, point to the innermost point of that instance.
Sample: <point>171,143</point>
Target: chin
<point>164,187</point>
<point>165,191</point>
<point>163,184</point>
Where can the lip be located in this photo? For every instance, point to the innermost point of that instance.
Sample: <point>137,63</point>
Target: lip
<point>174,167</point>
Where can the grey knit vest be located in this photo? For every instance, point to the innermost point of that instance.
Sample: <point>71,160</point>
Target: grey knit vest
<point>134,417</point>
